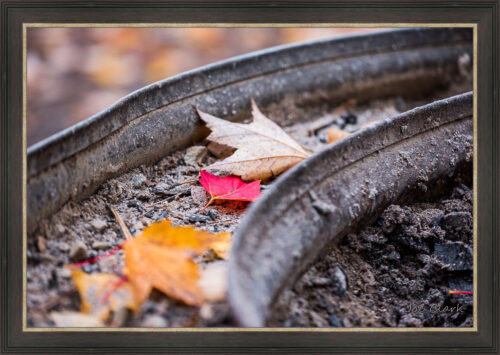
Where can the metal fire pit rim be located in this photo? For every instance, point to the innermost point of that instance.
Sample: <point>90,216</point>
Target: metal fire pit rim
<point>293,177</point>
<point>52,148</point>
<point>296,170</point>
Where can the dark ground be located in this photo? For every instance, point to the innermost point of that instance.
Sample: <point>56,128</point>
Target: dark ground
<point>394,273</point>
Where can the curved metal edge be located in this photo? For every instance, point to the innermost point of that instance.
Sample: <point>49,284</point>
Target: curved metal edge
<point>289,226</point>
<point>80,136</point>
<point>290,94</point>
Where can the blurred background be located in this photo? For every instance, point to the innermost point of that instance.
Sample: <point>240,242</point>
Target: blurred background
<point>73,73</point>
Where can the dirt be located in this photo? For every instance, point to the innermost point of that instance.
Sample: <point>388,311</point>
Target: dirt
<point>394,273</point>
<point>166,189</point>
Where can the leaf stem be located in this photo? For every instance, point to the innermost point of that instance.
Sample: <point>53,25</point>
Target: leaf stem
<point>209,202</point>
<point>113,287</point>
<point>97,258</point>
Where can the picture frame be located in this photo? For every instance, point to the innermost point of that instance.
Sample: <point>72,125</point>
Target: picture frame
<point>15,338</point>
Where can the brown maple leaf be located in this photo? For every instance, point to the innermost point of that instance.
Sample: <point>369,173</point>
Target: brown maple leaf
<point>263,149</point>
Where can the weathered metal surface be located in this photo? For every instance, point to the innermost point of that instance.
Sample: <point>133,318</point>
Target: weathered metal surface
<point>159,119</point>
<point>337,190</point>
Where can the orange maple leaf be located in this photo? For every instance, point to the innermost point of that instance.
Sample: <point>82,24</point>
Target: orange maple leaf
<point>162,258</point>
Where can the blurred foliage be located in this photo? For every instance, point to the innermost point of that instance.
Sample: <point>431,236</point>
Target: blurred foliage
<point>74,73</point>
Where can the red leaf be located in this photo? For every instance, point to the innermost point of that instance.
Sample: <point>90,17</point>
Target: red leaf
<point>228,188</point>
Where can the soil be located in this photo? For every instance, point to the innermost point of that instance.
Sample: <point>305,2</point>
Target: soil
<point>399,271</point>
<point>394,273</point>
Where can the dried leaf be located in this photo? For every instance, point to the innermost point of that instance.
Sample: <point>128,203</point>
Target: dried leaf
<point>263,149</point>
<point>102,293</point>
<point>161,258</point>
<point>228,188</point>
<point>334,134</point>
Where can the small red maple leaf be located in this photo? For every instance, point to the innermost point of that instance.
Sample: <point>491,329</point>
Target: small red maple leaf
<point>228,188</point>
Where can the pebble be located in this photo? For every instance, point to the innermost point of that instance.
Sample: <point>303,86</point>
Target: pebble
<point>321,281</point>
<point>198,218</point>
<point>199,195</point>
<point>162,189</point>
<point>59,229</point>
<point>40,243</point>
<point>154,321</point>
<point>138,181</point>
<point>65,273</point>
<point>456,255</point>
<point>98,245</point>
<point>206,311</point>
<point>339,281</point>
<point>143,195</point>
<point>455,221</point>
<point>78,252</point>
<point>213,282</point>
<point>195,154</point>
<point>62,246</point>
<point>409,321</point>
<point>335,321</point>
<point>98,224</point>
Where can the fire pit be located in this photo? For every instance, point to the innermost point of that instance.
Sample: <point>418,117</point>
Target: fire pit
<point>416,83</point>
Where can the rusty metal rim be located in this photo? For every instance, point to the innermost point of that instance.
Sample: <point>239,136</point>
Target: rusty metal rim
<point>312,205</point>
<point>198,81</point>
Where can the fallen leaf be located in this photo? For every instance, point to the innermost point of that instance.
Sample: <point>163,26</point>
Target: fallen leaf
<point>102,293</point>
<point>75,319</point>
<point>162,258</point>
<point>263,149</point>
<point>334,134</point>
<point>228,188</point>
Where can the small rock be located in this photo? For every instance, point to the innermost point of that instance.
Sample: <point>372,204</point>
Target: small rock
<point>409,321</point>
<point>162,189</point>
<point>99,224</point>
<point>456,255</point>
<point>335,321</point>
<point>154,321</point>
<point>349,118</point>
<point>212,213</point>
<point>78,252</point>
<point>138,226</point>
<point>199,195</point>
<point>195,154</point>
<point>339,281</point>
<point>110,235</point>
<point>213,281</point>
<point>59,229</point>
<point>455,220</point>
<point>198,218</point>
<point>321,281</point>
<point>40,244</point>
<point>138,181</point>
<point>132,203</point>
<point>65,273</point>
<point>394,255</point>
<point>206,311</point>
<point>62,246</point>
<point>143,195</point>
<point>98,245</point>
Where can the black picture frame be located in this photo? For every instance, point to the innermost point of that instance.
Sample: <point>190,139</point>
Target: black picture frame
<point>483,13</point>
